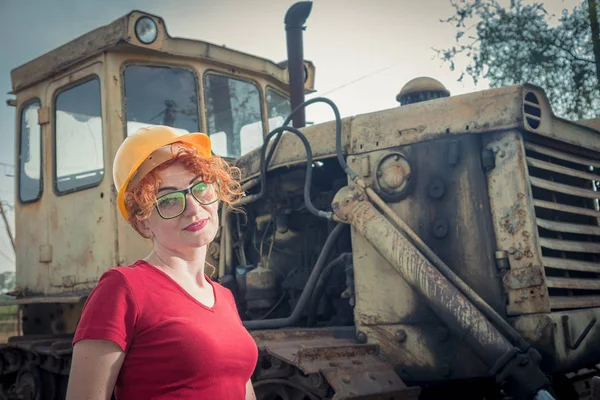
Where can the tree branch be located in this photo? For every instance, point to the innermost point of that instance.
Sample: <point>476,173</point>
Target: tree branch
<point>592,8</point>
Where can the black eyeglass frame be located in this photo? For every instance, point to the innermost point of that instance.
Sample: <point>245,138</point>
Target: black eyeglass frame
<point>185,192</point>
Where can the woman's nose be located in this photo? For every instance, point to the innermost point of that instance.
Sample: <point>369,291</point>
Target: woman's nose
<point>192,206</point>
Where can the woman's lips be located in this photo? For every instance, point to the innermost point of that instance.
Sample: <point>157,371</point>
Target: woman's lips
<point>196,226</point>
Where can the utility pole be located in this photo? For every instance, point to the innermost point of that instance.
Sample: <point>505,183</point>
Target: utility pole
<point>593,11</point>
<point>12,240</point>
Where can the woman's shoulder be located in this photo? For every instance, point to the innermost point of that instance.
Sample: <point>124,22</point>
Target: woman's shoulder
<point>132,274</point>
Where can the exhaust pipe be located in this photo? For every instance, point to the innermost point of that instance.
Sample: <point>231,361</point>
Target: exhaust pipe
<point>294,20</point>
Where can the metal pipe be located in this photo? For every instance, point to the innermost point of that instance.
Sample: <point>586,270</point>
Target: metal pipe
<point>342,260</point>
<point>224,239</point>
<point>308,288</point>
<point>294,20</point>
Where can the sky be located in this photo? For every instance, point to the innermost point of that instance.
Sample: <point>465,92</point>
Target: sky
<point>364,51</point>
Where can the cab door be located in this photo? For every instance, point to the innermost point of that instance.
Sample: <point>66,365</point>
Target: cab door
<point>81,216</point>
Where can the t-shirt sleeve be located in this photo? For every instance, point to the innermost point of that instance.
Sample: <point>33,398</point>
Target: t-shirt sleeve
<point>110,312</point>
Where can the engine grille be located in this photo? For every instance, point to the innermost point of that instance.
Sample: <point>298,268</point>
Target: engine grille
<point>565,189</point>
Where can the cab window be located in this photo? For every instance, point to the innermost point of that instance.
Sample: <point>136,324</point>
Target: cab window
<point>278,108</point>
<point>233,113</point>
<point>30,153</point>
<point>78,130</point>
<point>160,96</point>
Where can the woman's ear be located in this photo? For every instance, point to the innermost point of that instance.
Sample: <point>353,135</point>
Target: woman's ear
<point>144,228</point>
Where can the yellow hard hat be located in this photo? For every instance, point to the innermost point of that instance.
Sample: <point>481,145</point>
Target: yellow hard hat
<point>139,146</point>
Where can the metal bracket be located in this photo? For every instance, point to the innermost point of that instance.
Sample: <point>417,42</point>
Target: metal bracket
<point>567,332</point>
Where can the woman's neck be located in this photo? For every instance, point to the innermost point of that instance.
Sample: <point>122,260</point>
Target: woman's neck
<point>187,265</point>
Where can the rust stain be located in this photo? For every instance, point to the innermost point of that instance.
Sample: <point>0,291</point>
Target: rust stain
<point>513,219</point>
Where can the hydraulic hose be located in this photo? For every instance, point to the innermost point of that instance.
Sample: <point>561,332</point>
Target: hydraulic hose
<point>308,180</point>
<point>341,260</point>
<point>338,133</point>
<point>308,288</point>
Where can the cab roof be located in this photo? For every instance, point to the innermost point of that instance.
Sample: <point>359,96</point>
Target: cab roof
<point>120,35</point>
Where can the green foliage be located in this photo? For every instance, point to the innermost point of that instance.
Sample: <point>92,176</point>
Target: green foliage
<point>524,43</point>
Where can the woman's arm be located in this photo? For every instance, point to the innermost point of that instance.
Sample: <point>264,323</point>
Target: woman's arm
<point>95,366</point>
<point>250,395</point>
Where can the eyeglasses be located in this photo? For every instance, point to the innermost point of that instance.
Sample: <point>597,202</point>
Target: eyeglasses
<point>172,205</point>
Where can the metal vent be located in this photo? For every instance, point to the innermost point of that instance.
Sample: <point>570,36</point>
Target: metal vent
<point>565,191</point>
<point>533,112</point>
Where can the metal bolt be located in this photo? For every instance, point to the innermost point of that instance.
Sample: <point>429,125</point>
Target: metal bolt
<point>436,189</point>
<point>401,335</point>
<point>315,379</point>
<point>346,379</point>
<point>361,337</point>
<point>440,228</point>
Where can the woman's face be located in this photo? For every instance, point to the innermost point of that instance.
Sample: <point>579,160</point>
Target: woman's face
<point>196,227</point>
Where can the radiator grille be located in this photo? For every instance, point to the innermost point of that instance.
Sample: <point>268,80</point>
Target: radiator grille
<point>565,189</point>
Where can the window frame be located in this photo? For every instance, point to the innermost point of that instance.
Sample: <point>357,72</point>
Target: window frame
<point>262,101</point>
<point>140,63</point>
<point>279,92</point>
<point>55,95</point>
<point>22,108</point>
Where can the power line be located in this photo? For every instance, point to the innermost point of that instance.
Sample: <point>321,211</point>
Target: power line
<point>361,78</point>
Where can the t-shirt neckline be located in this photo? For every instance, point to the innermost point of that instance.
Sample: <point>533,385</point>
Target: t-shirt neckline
<point>178,286</point>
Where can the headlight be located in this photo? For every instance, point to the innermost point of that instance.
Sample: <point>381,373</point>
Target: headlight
<point>145,30</point>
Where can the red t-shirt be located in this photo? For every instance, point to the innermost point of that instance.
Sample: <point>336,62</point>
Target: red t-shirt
<point>176,347</point>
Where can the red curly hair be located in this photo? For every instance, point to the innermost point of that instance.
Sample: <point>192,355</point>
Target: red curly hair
<point>141,199</point>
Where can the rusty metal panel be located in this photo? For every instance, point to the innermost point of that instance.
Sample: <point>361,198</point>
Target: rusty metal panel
<point>355,371</point>
<point>513,213</point>
<point>425,352</point>
<point>79,259</point>
<point>446,205</point>
<point>539,118</point>
<point>565,208</point>
<point>570,245</point>
<point>31,219</point>
<point>534,162</point>
<point>547,332</point>
<point>571,265</point>
<point>570,302</point>
<point>369,383</point>
<point>449,304</point>
<point>562,188</point>
<point>477,112</point>
<point>561,155</point>
<point>572,283</point>
<point>568,227</point>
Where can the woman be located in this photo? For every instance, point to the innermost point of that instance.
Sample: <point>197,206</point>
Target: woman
<point>160,328</point>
